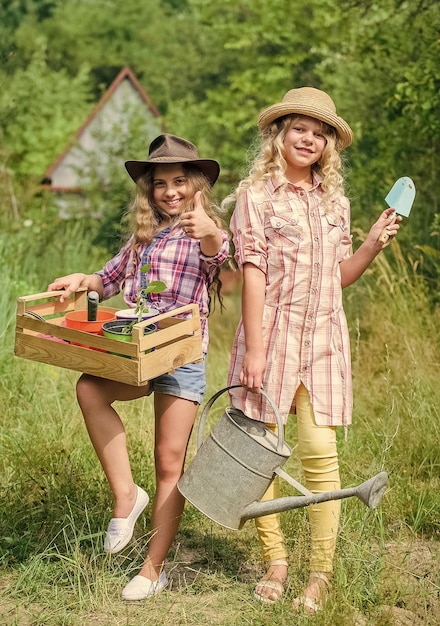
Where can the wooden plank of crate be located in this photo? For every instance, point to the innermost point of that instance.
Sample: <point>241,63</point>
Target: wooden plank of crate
<point>131,371</point>
<point>59,309</point>
<point>183,326</point>
<point>40,296</point>
<point>178,329</point>
<point>76,358</point>
<point>46,309</point>
<point>81,299</point>
<point>24,323</point>
<point>170,357</point>
<point>72,336</point>
<point>171,333</point>
<point>54,306</point>
<point>182,311</point>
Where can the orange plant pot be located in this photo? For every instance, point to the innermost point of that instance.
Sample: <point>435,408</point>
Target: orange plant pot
<point>78,321</point>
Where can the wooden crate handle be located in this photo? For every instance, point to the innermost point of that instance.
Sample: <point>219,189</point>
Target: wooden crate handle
<point>188,308</point>
<point>23,300</point>
<point>46,294</point>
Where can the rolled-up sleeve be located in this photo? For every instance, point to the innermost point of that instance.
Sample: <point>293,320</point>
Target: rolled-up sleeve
<point>247,226</point>
<point>221,255</point>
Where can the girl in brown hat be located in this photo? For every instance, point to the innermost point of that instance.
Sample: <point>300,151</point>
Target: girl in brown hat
<point>176,229</point>
<point>291,230</point>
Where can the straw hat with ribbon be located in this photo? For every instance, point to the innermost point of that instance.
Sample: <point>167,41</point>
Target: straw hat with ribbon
<point>172,149</point>
<point>313,103</point>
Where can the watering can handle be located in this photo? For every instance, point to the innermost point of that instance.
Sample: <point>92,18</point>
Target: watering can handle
<point>210,402</point>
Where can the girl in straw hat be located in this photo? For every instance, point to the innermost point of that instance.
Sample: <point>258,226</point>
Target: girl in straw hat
<point>291,230</point>
<point>176,229</point>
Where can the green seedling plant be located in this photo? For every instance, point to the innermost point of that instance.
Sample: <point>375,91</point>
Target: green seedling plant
<point>155,286</point>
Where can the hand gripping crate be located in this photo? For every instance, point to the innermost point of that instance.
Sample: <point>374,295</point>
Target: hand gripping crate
<point>176,342</point>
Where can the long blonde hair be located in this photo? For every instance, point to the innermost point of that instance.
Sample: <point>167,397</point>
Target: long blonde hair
<point>270,162</point>
<point>146,218</point>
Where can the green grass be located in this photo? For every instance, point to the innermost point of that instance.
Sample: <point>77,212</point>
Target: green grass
<point>55,502</point>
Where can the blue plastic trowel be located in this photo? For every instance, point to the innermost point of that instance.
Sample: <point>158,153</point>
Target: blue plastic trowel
<point>400,198</point>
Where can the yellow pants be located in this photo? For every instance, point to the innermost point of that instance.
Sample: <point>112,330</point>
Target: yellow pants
<point>319,459</point>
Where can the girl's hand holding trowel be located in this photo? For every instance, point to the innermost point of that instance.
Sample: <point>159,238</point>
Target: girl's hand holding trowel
<point>400,200</point>
<point>385,229</point>
<point>353,267</point>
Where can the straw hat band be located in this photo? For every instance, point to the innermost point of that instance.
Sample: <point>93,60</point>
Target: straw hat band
<point>312,103</point>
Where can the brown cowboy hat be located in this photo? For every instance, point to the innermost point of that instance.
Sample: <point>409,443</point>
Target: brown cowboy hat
<point>313,103</point>
<point>171,149</point>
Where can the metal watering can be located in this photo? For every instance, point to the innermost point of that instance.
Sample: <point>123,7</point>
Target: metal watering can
<point>237,462</point>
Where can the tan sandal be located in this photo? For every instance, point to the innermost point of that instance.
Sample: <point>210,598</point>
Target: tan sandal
<point>270,588</point>
<point>315,594</point>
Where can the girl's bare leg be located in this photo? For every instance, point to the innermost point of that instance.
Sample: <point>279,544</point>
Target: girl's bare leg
<point>107,434</point>
<point>174,422</point>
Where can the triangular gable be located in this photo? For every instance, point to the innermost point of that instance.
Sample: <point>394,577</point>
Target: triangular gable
<point>62,174</point>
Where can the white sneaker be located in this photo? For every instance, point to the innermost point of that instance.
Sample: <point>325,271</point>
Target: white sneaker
<point>120,529</point>
<point>140,587</point>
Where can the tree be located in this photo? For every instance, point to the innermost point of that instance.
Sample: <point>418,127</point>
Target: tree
<point>384,76</point>
<point>39,109</point>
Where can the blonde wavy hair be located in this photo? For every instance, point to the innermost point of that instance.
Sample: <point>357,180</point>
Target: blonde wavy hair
<point>146,218</point>
<point>270,162</point>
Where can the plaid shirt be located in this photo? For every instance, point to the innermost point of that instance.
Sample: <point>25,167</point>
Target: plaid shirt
<point>290,237</point>
<point>175,259</point>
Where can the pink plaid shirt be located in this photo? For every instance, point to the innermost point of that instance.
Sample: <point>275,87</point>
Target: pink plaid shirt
<point>299,247</point>
<point>175,259</point>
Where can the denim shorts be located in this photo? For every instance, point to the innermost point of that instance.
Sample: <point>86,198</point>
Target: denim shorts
<point>187,382</point>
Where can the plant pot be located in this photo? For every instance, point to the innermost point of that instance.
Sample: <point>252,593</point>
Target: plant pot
<point>115,330</point>
<point>129,314</point>
<point>78,321</point>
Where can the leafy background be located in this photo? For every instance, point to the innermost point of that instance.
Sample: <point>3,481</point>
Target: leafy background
<point>210,67</point>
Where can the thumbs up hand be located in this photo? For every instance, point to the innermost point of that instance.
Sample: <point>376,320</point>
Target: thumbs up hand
<point>197,224</point>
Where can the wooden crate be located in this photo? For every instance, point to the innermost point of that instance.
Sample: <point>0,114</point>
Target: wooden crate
<point>177,341</point>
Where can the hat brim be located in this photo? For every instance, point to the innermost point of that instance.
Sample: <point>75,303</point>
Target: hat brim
<point>208,167</point>
<point>281,109</point>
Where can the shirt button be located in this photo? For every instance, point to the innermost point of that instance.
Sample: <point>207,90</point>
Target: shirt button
<point>278,224</point>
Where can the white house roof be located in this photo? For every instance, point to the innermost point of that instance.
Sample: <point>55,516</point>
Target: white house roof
<point>124,94</point>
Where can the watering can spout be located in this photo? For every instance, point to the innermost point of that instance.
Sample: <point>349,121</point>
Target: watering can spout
<point>370,493</point>
<point>236,463</point>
